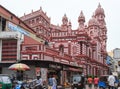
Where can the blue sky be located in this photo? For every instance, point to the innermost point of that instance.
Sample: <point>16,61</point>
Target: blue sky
<point>55,9</point>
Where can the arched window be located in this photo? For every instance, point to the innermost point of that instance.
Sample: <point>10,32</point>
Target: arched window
<point>37,20</point>
<point>33,21</point>
<point>91,33</point>
<point>61,48</point>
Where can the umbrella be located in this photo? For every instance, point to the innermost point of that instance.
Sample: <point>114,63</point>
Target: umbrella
<point>19,66</point>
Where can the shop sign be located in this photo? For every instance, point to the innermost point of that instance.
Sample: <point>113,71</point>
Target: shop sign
<point>14,27</point>
<point>75,69</point>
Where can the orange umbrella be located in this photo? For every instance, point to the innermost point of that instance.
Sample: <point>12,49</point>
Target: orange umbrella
<point>19,66</point>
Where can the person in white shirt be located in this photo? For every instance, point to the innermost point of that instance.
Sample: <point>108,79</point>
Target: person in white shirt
<point>54,82</point>
<point>111,81</point>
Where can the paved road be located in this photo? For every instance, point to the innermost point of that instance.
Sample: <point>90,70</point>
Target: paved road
<point>85,88</point>
<point>88,87</point>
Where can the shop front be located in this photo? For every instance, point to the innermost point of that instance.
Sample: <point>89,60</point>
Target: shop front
<point>69,72</point>
<point>55,70</point>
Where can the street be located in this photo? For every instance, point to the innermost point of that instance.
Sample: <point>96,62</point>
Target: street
<point>92,87</point>
<point>85,88</point>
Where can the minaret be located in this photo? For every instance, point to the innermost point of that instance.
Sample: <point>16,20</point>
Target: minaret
<point>64,22</point>
<point>81,20</point>
<point>69,27</point>
<point>100,16</point>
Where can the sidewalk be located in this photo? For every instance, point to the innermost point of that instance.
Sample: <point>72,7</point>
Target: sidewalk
<point>61,87</point>
<point>86,87</point>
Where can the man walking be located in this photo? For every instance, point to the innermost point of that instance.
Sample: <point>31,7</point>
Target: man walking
<point>39,83</point>
<point>96,80</point>
<point>54,82</point>
<point>111,81</point>
<point>82,81</point>
<point>50,82</point>
<point>90,81</point>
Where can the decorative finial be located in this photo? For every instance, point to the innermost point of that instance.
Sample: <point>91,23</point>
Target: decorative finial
<point>99,5</point>
<point>32,11</point>
<point>81,13</point>
<point>40,8</point>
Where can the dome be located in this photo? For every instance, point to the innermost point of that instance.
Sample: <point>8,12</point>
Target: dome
<point>93,21</point>
<point>99,10</point>
<point>81,17</point>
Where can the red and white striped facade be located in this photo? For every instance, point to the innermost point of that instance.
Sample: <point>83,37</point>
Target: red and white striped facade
<point>85,45</point>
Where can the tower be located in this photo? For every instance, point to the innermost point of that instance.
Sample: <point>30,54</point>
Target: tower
<point>81,20</point>
<point>100,16</point>
<point>64,22</point>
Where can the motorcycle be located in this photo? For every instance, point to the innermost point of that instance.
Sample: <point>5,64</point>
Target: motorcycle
<point>20,85</point>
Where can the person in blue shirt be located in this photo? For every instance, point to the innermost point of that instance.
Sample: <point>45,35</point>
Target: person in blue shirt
<point>39,83</point>
<point>54,82</point>
<point>101,83</point>
<point>50,82</point>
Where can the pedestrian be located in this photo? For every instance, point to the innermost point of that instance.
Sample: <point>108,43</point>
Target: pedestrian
<point>12,78</point>
<point>96,80</point>
<point>50,82</point>
<point>54,82</point>
<point>90,81</point>
<point>116,82</point>
<point>39,83</point>
<point>18,75</point>
<point>82,81</point>
<point>86,77</point>
<point>111,81</point>
<point>101,83</point>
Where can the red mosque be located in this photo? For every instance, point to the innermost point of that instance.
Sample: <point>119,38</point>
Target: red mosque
<point>86,45</point>
<point>49,48</point>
